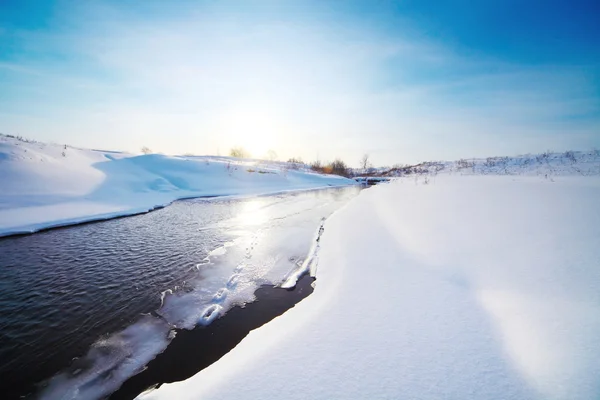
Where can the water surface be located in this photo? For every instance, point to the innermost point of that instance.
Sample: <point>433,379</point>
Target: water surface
<point>83,308</point>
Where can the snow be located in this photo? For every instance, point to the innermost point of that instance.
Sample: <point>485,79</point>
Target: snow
<point>547,165</point>
<point>455,287</point>
<point>469,279</point>
<point>47,185</point>
<point>309,265</point>
<point>118,356</point>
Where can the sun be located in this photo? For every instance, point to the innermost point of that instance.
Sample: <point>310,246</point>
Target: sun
<point>255,131</point>
<point>255,144</point>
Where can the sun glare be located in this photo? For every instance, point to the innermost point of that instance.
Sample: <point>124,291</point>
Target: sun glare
<point>253,129</point>
<point>256,144</point>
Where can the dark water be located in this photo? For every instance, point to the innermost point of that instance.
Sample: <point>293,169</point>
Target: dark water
<point>184,358</point>
<point>66,290</point>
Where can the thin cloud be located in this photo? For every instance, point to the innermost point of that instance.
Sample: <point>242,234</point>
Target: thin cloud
<point>208,80</point>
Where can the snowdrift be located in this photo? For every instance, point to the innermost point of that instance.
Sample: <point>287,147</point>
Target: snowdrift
<point>46,185</point>
<point>456,287</point>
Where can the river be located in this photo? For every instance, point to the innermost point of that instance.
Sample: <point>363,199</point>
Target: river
<point>84,308</point>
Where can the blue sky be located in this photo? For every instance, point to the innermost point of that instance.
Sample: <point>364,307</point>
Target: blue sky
<point>405,81</point>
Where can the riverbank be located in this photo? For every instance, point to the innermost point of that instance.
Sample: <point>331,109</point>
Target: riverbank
<point>47,185</point>
<point>454,287</point>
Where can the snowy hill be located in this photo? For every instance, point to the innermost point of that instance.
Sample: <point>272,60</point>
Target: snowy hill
<point>548,165</point>
<point>45,185</point>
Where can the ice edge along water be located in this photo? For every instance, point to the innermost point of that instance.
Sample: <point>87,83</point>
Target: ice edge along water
<point>113,359</point>
<point>46,186</point>
<point>310,263</point>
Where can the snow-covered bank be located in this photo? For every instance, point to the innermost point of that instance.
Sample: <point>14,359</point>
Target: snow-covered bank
<point>45,185</point>
<point>467,287</point>
<point>547,165</point>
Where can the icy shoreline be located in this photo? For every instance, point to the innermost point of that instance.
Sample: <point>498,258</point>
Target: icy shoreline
<point>47,186</point>
<point>463,287</point>
<point>193,350</point>
<point>45,226</point>
<point>190,263</point>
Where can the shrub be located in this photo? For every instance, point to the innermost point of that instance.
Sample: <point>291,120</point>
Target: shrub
<point>462,163</point>
<point>338,167</point>
<point>316,166</point>
<point>294,163</point>
<point>238,152</point>
<point>490,162</point>
<point>570,155</point>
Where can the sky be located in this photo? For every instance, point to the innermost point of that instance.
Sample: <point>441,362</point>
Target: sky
<point>404,81</point>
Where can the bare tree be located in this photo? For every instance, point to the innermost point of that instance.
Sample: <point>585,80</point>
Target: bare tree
<point>364,162</point>
<point>271,155</point>
<point>146,150</point>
